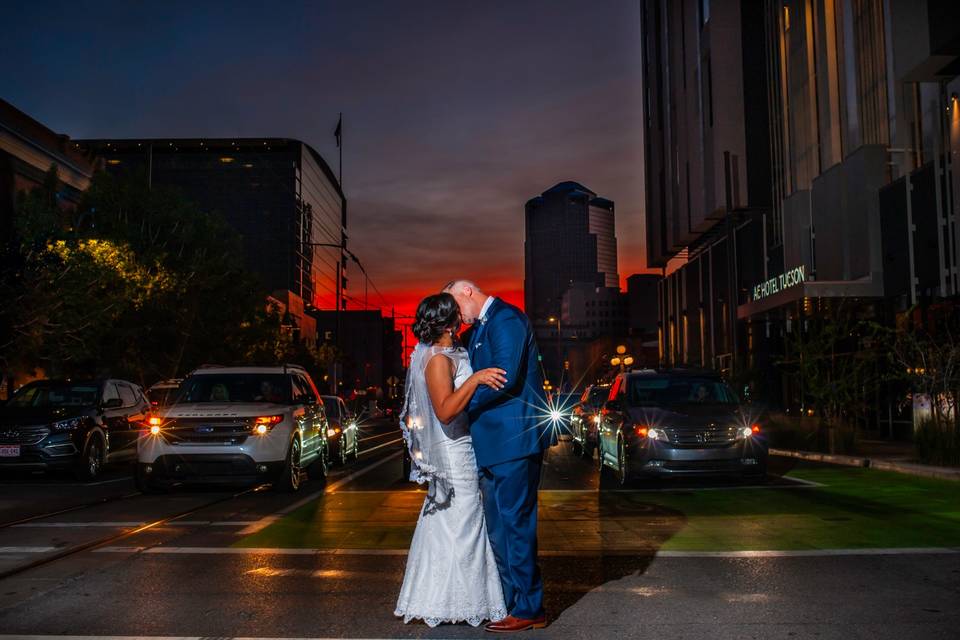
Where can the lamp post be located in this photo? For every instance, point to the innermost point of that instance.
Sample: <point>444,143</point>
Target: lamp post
<point>556,320</point>
<point>339,282</point>
<point>622,359</point>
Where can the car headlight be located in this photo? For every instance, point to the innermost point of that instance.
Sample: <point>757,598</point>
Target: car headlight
<point>657,434</point>
<point>596,419</point>
<point>746,432</point>
<point>67,425</point>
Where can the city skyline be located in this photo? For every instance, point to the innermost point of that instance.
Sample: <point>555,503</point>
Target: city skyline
<point>444,137</point>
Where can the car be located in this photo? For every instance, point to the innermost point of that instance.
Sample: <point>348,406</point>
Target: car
<point>342,432</point>
<point>561,410</point>
<point>673,422</point>
<point>163,393</point>
<point>237,424</point>
<point>71,425</point>
<point>585,417</point>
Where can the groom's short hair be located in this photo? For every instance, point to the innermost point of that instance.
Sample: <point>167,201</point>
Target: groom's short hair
<point>453,283</point>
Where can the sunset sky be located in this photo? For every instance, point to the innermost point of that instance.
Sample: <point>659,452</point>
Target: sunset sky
<point>454,113</point>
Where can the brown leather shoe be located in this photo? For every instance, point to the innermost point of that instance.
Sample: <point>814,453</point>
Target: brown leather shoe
<point>511,624</point>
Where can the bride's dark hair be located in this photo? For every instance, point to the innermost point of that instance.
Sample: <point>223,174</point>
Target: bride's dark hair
<point>436,314</point>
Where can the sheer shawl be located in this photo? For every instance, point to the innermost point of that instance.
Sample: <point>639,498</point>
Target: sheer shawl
<point>425,435</point>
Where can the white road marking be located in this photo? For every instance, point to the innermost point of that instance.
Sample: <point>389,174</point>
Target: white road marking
<point>811,553</point>
<point>173,523</point>
<point>27,549</point>
<point>380,446</point>
<point>266,521</point>
<point>49,637</point>
<point>801,553</point>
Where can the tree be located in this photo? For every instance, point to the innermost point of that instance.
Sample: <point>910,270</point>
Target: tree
<point>139,283</point>
<point>836,360</point>
<point>926,355</point>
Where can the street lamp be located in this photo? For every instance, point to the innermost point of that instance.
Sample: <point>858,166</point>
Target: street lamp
<point>622,359</point>
<point>556,320</point>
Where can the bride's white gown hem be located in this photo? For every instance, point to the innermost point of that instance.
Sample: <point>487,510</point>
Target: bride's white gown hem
<point>451,573</point>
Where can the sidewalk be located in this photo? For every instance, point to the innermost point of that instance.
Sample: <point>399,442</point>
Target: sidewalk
<point>878,454</point>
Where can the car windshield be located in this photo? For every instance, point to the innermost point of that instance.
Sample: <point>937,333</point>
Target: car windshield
<point>163,397</point>
<point>236,387</point>
<point>332,407</point>
<point>55,395</point>
<point>598,396</point>
<point>659,391</point>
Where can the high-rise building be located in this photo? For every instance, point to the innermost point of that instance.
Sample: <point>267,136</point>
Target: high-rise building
<point>816,138</point>
<point>570,239</point>
<point>707,167</point>
<point>278,193</point>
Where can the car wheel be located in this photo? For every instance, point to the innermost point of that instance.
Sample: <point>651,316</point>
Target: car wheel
<point>318,468</point>
<point>356,446</point>
<point>623,463</point>
<point>577,447</point>
<point>91,460</point>
<point>343,451</point>
<point>144,482</point>
<point>289,480</point>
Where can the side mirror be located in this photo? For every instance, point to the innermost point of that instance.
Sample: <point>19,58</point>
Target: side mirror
<point>112,403</point>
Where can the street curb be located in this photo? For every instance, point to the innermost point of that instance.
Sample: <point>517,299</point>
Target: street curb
<point>909,468</point>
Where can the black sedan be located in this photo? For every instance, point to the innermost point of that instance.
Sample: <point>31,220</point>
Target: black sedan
<point>72,426</point>
<point>342,432</point>
<point>585,419</point>
<point>677,422</point>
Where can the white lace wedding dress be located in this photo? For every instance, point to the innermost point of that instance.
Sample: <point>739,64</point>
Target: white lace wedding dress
<point>451,573</point>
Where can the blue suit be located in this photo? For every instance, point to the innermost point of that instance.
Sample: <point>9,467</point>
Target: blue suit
<point>510,432</point>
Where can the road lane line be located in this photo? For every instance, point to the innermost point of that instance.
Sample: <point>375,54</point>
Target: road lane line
<point>811,553</point>
<point>597,553</point>
<point>83,525</point>
<point>266,521</point>
<point>77,525</point>
<point>27,549</point>
<point>380,446</point>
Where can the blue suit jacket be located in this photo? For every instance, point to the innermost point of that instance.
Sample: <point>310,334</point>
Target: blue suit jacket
<point>511,423</point>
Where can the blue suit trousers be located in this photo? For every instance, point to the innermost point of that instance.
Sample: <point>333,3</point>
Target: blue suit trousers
<point>510,506</point>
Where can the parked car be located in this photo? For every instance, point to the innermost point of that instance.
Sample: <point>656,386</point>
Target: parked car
<point>342,432</point>
<point>76,426</point>
<point>237,423</point>
<point>164,392</point>
<point>585,419</point>
<point>676,422</point>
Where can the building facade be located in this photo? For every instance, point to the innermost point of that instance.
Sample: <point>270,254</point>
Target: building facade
<point>570,238</point>
<point>372,347</point>
<point>279,194</point>
<point>844,196</point>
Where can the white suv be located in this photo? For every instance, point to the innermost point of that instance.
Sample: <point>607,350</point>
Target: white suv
<point>256,423</point>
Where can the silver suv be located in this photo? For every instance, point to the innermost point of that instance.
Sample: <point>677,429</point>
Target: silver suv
<point>250,423</point>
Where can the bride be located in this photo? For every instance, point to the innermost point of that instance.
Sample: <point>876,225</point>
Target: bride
<point>451,571</point>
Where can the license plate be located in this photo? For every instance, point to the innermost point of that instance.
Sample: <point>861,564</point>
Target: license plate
<point>9,451</point>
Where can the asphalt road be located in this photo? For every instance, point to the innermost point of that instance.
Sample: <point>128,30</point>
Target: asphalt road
<point>328,561</point>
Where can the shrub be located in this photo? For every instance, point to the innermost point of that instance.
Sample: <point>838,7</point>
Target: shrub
<point>937,442</point>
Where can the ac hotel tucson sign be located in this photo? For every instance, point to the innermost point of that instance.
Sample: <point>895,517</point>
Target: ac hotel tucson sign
<point>776,284</point>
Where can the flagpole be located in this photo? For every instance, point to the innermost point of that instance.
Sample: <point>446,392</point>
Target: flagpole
<point>340,148</point>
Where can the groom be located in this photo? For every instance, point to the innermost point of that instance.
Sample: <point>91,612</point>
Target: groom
<point>509,438</point>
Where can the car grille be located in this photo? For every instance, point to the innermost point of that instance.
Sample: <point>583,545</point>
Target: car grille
<point>700,437</point>
<point>23,435</point>
<point>229,431</point>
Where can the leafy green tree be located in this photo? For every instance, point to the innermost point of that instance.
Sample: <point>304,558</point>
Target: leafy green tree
<point>138,283</point>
